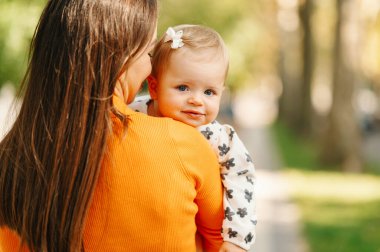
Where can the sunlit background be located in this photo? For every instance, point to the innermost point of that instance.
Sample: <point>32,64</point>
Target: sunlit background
<point>303,93</point>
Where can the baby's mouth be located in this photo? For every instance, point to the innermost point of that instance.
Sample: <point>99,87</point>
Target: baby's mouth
<point>193,114</point>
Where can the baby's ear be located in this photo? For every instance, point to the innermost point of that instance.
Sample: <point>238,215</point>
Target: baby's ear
<point>152,86</point>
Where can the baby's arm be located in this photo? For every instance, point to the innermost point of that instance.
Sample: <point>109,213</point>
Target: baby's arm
<point>237,171</point>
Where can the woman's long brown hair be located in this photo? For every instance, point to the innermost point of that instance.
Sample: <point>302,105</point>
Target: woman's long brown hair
<point>51,158</point>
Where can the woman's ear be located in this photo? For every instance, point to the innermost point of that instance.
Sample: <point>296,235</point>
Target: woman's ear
<point>152,86</point>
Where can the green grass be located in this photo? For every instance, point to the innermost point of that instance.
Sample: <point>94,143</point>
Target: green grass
<point>339,212</point>
<point>373,167</point>
<point>344,227</point>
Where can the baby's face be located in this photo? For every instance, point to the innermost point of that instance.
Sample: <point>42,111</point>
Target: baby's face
<point>190,88</point>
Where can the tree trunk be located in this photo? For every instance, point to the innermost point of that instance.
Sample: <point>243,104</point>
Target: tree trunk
<point>289,108</point>
<point>341,142</point>
<point>290,65</point>
<point>306,111</point>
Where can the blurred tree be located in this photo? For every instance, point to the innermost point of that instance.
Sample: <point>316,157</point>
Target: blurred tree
<point>370,58</point>
<point>221,15</point>
<point>306,111</point>
<point>18,20</point>
<point>341,140</point>
<point>290,64</point>
<point>296,65</point>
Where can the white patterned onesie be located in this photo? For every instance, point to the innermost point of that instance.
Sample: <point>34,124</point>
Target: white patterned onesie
<point>238,177</point>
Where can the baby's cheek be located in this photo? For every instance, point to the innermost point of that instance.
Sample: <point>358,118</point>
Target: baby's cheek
<point>215,109</point>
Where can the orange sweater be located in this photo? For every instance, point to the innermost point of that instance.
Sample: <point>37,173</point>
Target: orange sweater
<point>159,183</point>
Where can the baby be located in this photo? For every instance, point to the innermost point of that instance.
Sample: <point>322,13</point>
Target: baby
<point>189,68</point>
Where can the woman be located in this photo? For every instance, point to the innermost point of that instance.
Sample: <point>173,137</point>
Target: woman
<point>82,171</point>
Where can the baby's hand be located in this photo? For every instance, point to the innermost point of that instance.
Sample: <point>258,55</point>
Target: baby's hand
<point>230,247</point>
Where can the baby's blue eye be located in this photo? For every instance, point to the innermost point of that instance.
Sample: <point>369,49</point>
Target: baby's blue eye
<point>209,92</point>
<point>182,88</point>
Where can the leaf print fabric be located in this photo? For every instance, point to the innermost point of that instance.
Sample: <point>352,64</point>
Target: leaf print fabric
<point>238,178</point>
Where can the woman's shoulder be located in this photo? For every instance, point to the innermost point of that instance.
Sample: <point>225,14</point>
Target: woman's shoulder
<point>181,134</point>
<point>182,128</point>
<point>166,128</point>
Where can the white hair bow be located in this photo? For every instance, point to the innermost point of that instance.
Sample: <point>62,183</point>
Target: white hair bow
<point>175,37</point>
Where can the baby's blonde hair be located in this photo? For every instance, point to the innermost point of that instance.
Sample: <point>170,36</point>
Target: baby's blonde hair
<point>195,37</point>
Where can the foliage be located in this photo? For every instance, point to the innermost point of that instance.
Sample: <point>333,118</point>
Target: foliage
<point>221,15</point>
<point>339,211</point>
<point>17,23</point>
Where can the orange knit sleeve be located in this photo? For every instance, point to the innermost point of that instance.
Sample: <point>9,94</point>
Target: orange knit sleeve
<point>202,166</point>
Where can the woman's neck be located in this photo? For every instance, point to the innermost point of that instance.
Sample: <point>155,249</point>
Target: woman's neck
<point>120,91</point>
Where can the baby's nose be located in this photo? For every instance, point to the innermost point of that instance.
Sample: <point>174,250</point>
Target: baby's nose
<point>195,99</point>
